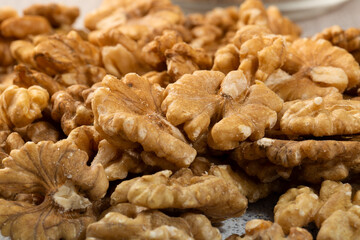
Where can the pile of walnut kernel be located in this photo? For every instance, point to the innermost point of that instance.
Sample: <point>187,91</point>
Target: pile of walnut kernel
<point>152,124</point>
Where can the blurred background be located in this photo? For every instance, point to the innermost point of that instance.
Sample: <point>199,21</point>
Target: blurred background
<point>311,15</point>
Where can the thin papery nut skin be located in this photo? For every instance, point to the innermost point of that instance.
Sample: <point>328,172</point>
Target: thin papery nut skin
<point>321,117</point>
<point>296,208</point>
<point>144,225</point>
<point>57,14</point>
<point>128,111</point>
<point>20,106</point>
<point>43,169</point>
<point>21,27</point>
<point>201,194</point>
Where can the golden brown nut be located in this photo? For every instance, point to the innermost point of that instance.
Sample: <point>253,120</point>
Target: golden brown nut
<point>316,158</point>
<point>333,196</point>
<point>296,208</point>
<point>230,98</point>
<point>161,78</point>
<point>321,117</point>
<point>348,39</point>
<point>86,138</point>
<point>6,58</point>
<point>226,59</point>
<point>279,24</point>
<point>262,229</point>
<point>182,59</point>
<point>7,12</point>
<point>70,112</point>
<point>40,131</point>
<point>57,14</point>
<point>72,59</point>
<point>251,189</point>
<point>341,225</point>
<point>26,77</point>
<point>13,141</point>
<point>297,86</point>
<point>152,225</point>
<point>323,63</point>
<point>215,197</point>
<point>252,12</point>
<point>128,110</point>
<point>20,106</point>
<point>59,175</point>
<point>153,53</point>
<point>22,27</point>
<point>118,162</point>
<point>138,20</point>
<point>261,53</point>
<point>23,51</point>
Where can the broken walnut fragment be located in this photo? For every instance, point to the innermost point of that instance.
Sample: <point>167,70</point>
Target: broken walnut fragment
<point>57,173</point>
<point>321,117</point>
<point>262,229</point>
<point>20,107</point>
<point>323,63</point>
<point>215,197</point>
<point>313,160</point>
<point>152,224</point>
<point>127,112</point>
<point>229,101</point>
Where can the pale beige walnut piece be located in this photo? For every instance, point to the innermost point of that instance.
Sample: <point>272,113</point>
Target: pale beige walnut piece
<point>341,225</point>
<point>7,12</point>
<point>262,229</point>
<point>118,162</point>
<point>323,63</point>
<point>22,27</point>
<point>70,111</point>
<point>6,58</point>
<point>348,39</point>
<point>321,117</point>
<point>57,14</point>
<point>127,112</point>
<point>56,172</point>
<point>313,160</point>
<point>26,77</point>
<point>297,86</point>
<point>20,107</point>
<point>251,189</point>
<point>140,20</point>
<point>152,225</point>
<point>229,101</point>
<point>260,51</point>
<point>215,197</point>
<point>296,208</point>
<point>86,138</point>
<point>39,131</point>
<point>226,59</point>
<point>183,59</point>
<point>69,58</point>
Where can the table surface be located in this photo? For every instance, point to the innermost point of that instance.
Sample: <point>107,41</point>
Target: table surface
<point>345,15</point>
